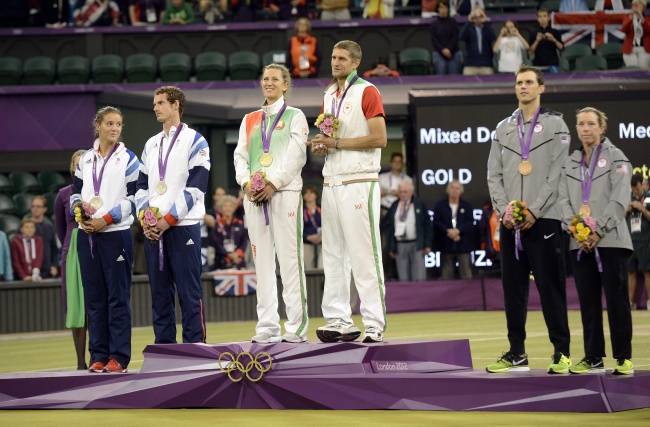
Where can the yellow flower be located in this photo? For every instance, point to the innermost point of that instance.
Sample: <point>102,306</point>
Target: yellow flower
<point>580,227</point>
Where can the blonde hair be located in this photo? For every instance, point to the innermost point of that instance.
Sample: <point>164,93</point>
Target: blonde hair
<point>227,199</point>
<point>306,21</point>
<point>602,118</point>
<point>286,76</point>
<point>76,154</point>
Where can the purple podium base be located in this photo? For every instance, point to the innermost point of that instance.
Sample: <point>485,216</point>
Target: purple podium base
<point>430,375</point>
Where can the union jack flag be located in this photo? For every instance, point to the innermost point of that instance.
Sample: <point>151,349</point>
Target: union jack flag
<point>601,26</point>
<point>234,282</point>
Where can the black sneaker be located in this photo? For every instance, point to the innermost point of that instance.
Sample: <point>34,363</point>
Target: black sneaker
<point>510,362</point>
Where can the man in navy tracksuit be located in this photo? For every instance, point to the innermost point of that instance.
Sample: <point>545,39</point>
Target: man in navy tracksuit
<point>174,178</point>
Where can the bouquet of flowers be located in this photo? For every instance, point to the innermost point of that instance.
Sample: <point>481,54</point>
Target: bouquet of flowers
<point>83,211</point>
<point>258,182</point>
<point>328,125</point>
<point>516,211</point>
<point>149,216</point>
<point>583,226</point>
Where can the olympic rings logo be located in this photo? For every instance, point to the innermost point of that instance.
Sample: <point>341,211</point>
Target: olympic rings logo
<point>255,364</point>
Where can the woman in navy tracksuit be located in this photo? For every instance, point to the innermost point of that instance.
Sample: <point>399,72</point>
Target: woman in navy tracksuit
<point>106,178</point>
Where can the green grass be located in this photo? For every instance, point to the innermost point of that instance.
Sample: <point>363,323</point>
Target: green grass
<point>485,330</point>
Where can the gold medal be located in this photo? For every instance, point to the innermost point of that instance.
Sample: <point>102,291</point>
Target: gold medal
<point>161,187</point>
<point>525,167</point>
<point>266,159</point>
<point>96,202</point>
<point>585,210</point>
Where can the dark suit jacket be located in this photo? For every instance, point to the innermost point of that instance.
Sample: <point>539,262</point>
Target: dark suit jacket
<point>423,225</point>
<point>464,223</point>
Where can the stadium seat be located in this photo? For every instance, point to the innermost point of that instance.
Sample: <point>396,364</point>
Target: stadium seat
<point>612,52</point>
<point>108,69</point>
<point>244,65</point>
<point>73,70</point>
<point>39,70</point>
<point>574,51</point>
<point>7,205</point>
<point>6,187</point>
<point>10,224</point>
<point>274,56</point>
<point>210,66</point>
<point>24,182</point>
<point>551,5</point>
<point>11,71</point>
<point>175,67</point>
<point>23,203</point>
<point>415,61</point>
<point>51,181</point>
<point>141,68</point>
<point>591,63</point>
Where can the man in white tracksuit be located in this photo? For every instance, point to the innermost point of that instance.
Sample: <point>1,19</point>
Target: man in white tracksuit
<point>351,200</point>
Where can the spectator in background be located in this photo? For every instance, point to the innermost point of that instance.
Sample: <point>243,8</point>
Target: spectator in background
<point>229,237</point>
<point>430,8</point>
<point>72,295</point>
<point>14,13</point>
<point>568,6</point>
<point>6,271</point>
<point>303,53</point>
<point>544,42</point>
<point>380,9</point>
<point>638,223</point>
<point>97,13</point>
<point>636,45</point>
<point>45,229</point>
<point>334,10</point>
<point>381,69</point>
<point>464,7</point>
<point>478,36</point>
<point>207,12</point>
<point>510,46</point>
<point>146,12</point>
<point>409,233</point>
<point>311,231</point>
<point>27,252</point>
<point>178,12</point>
<point>242,10</point>
<point>489,233</point>
<point>213,214</point>
<point>285,10</point>
<point>453,221</point>
<point>389,181</point>
<point>50,13</point>
<point>444,38</point>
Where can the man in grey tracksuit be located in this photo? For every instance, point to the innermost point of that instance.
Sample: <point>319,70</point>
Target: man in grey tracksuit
<point>525,164</point>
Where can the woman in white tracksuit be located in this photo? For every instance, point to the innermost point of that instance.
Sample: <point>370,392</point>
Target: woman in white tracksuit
<point>272,141</point>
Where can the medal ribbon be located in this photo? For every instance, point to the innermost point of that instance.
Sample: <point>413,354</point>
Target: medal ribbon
<point>599,262</point>
<point>97,182</point>
<point>586,182</point>
<point>266,139</point>
<point>162,166</point>
<point>338,110</point>
<point>525,144</point>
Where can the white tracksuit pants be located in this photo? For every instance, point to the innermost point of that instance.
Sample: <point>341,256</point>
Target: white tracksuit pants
<point>351,240</point>
<point>284,236</point>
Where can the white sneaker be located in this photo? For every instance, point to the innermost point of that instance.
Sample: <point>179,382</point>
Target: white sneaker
<point>373,334</point>
<point>337,330</point>
<point>291,337</point>
<point>265,338</point>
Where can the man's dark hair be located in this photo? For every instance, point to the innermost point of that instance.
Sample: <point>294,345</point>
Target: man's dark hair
<point>392,156</point>
<point>637,179</point>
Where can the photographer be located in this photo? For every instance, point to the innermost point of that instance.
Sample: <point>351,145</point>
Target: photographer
<point>545,42</point>
<point>511,47</point>
<point>478,36</point>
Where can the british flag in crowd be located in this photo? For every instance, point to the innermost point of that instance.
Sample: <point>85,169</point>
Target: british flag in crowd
<point>602,26</point>
<point>235,282</point>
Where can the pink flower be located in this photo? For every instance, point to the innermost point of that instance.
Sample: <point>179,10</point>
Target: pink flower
<point>326,130</point>
<point>150,220</point>
<point>257,182</point>
<point>328,121</point>
<point>590,222</point>
<point>149,214</point>
<point>508,215</point>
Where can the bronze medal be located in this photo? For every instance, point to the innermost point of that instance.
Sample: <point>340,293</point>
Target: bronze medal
<point>96,202</point>
<point>525,167</point>
<point>266,159</point>
<point>585,210</point>
<point>161,187</point>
